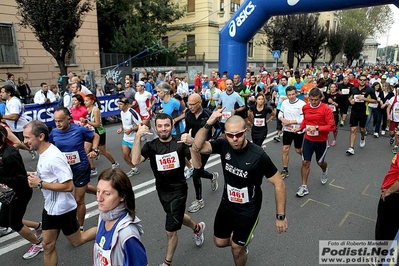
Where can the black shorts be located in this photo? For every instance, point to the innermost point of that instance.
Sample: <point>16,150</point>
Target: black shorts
<point>288,137</point>
<point>81,177</point>
<point>244,113</point>
<point>320,148</point>
<point>103,139</point>
<point>174,204</point>
<point>19,135</point>
<point>358,119</point>
<point>11,215</point>
<point>344,104</point>
<point>228,222</point>
<point>279,123</point>
<point>66,222</point>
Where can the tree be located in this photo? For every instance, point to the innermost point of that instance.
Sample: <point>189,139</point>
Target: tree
<point>139,26</point>
<point>370,21</point>
<point>317,41</point>
<point>54,23</point>
<point>335,42</point>
<point>275,29</point>
<point>353,45</point>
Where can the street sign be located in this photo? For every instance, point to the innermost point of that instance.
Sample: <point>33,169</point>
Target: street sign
<point>276,54</point>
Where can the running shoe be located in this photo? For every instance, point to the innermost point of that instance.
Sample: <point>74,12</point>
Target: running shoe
<point>376,135</point>
<point>5,231</point>
<point>199,237</point>
<point>39,232</point>
<point>264,146</point>
<point>214,181</point>
<point>284,174</point>
<point>391,141</point>
<point>115,165</point>
<point>93,172</point>
<point>333,143</point>
<point>278,139</point>
<point>33,251</point>
<point>196,206</point>
<point>395,149</point>
<point>133,172</point>
<point>367,133</point>
<point>33,154</point>
<point>302,191</point>
<point>342,123</point>
<point>362,142</point>
<point>350,151</point>
<point>324,177</point>
<point>189,172</point>
<point>382,132</point>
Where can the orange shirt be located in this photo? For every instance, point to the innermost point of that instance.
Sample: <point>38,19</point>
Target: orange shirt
<point>221,85</point>
<point>305,90</point>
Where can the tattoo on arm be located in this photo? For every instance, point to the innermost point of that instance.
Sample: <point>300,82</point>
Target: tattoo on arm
<point>195,147</point>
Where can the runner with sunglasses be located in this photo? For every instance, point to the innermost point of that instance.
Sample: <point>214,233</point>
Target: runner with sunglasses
<point>358,97</point>
<point>244,164</point>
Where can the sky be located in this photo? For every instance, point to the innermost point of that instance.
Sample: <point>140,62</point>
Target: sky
<point>393,34</point>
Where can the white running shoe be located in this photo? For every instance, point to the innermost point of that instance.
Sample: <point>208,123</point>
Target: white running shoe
<point>214,181</point>
<point>362,142</point>
<point>196,205</point>
<point>350,151</point>
<point>302,191</point>
<point>93,172</point>
<point>33,154</point>
<point>5,231</point>
<point>324,177</point>
<point>199,237</point>
<point>376,134</point>
<point>33,251</point>
<point>189,172</point>
<point>115,165</point>
<point>132,172</point>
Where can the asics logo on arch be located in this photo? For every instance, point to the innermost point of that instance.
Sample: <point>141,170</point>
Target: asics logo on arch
<point>240,19</point>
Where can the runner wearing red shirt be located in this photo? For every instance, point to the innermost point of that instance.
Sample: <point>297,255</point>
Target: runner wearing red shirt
<point>318,120</point>
<point>198,83</point>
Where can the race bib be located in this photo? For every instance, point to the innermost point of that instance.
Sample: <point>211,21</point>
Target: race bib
<point>313,134</point>
<point>291,128</point>
<point>396,110</point>
<point>332,107</point>
<point>345,91</point>
<point>324,89</point>
<point>259,122</point>
<point>226,115</point>
<point>237,195</point>
<point>358,98</point>
<point>72,157</point>
<point>168,161</point>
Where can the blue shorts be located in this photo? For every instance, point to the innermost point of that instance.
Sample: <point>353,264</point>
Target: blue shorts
<point>126,143</point>
<point>320,148</point>
<point>81,176</point>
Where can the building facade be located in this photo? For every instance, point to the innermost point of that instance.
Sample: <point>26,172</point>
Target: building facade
<point>22,55</point>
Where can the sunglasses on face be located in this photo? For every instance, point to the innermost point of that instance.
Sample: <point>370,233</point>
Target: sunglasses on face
<point>238,134</point>
<point>362,79</point>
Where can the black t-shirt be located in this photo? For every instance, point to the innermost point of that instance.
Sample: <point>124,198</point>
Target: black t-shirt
<point>196,123</point>
<point>336,98</point>
<point>239,87</point>
<point>342,86</point>
<point>243,172</point>
<point>260,117</point>
<point>367,92</point>
<point>167,163</point>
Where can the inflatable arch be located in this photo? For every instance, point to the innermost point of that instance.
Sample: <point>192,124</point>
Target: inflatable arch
<point>253,14</point>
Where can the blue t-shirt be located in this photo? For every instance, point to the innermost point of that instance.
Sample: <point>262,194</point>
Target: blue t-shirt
<point>134,251</point>
<point>71,143</point>
<point>2,108</point>
<point>230,101</point>
<point>174,109</point>
<point>298,87</point>
<point>281,93</point>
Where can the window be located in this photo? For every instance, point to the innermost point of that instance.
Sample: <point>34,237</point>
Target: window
<point>234,5</point>
<point>8,45</point>
<point>70,58</point>
<point>251,48</point>
<point>191,44</point>
<point>190,5</point>
<point>165,41</point>
<point>221,5</point>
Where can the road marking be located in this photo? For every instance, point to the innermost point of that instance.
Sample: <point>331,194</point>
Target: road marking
<point>319,202</point>
<point>358,215</point>
<point>213,160</point>
<point>331,184</point>
<point>365,194</point>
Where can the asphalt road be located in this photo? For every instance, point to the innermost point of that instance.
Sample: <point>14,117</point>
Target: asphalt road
<point>345,208</point>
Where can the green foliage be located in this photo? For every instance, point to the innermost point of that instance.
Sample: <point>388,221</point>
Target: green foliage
<point>130,27</point>
<point>276,35</point>
<point>54,23</point>
<point>335,41</point>
<point>370,21</point>
<point>353,45</point>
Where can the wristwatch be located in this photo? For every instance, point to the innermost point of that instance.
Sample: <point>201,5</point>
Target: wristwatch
<point>280,217</point>
<point>96,150</point>
<point>317,127</point>
<point>207,126</point>
<point>40,184</point>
